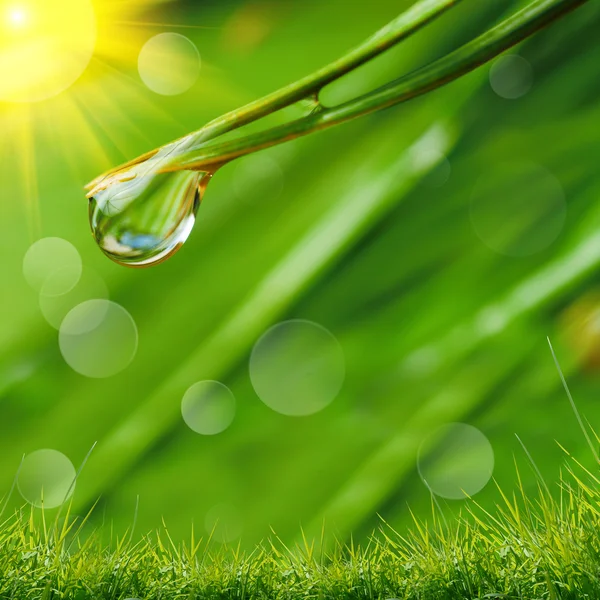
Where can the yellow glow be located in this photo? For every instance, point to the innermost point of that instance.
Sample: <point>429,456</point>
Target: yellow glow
<point>45,45</point>
<point>17,17</point>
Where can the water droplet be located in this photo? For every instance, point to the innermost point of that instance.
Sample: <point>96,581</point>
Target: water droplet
<point>142,217</point>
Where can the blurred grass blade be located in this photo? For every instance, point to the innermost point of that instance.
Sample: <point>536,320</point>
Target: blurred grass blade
<point>573,405</point>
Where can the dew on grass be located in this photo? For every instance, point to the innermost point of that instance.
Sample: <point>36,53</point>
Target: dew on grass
<point>46,478</point>
<point>224,523</point>
<point>89,287</point>
<point>140,215</point>
<point>518,208</point>
<point>169,64</point>
<point>52,266</point>
<point>297,368</point>
<point>511,76</point>
<point>455,461</point>
<point>98,338</point>
<point>208,407</point>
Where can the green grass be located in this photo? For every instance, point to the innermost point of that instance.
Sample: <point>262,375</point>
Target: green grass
<point>545,546</point>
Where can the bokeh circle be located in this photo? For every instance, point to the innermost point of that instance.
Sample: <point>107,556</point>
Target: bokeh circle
<point>98,338</point>
<point>297,367</point>
<point>169,64</point>
<point>455,461</point>
<point>46,478</point>
<point>208,407</point>
<point>511,76</point>
<point>52,266</point>
<point>55,308</point>
<point>518,208</point>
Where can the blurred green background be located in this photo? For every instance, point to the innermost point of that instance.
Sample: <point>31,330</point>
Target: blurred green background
<point>441,284</point>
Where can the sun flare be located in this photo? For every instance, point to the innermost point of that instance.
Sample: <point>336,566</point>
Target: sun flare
<point>44,47</point>
<point>17,17</point>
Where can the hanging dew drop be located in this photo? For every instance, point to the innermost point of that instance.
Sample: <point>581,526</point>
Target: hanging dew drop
<point>140,216</point>
<point>145,220</point>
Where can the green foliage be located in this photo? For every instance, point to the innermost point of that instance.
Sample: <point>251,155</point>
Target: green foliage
<point>356,241</point>
<point>527,547</point>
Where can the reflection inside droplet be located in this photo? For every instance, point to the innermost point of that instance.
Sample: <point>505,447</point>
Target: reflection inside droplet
<point>143,217</point>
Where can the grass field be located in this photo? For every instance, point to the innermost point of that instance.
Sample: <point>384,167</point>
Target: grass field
<point>541,546</point>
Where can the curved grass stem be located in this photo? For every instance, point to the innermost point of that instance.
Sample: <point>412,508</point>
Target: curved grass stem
<point>200,150</point>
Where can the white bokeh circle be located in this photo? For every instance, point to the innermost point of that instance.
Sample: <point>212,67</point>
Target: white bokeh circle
<point>455,461</point>
<point>511,76</point>
<point>297,367</point>
<point>518,208</point>
<point>89,287</point>
<point>98,338</point>
<point>52,266</point>
<point>46,478</point>
<point>169,64</point>
<point>208,407</point>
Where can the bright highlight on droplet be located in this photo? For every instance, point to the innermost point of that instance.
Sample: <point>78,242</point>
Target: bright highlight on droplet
<point>223,523</point>
<point>46,478</point>
<point>44,47</point>
<point>98,338</point>
<point>208,407</point>
<point>169,64</point>
<point>52,266</point>
<point>455,461</point>
<point>297,368</point>
<point>511,76</point>
<point>518,209</point>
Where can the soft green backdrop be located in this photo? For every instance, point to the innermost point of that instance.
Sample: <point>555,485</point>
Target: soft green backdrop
<point>435,325</point>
